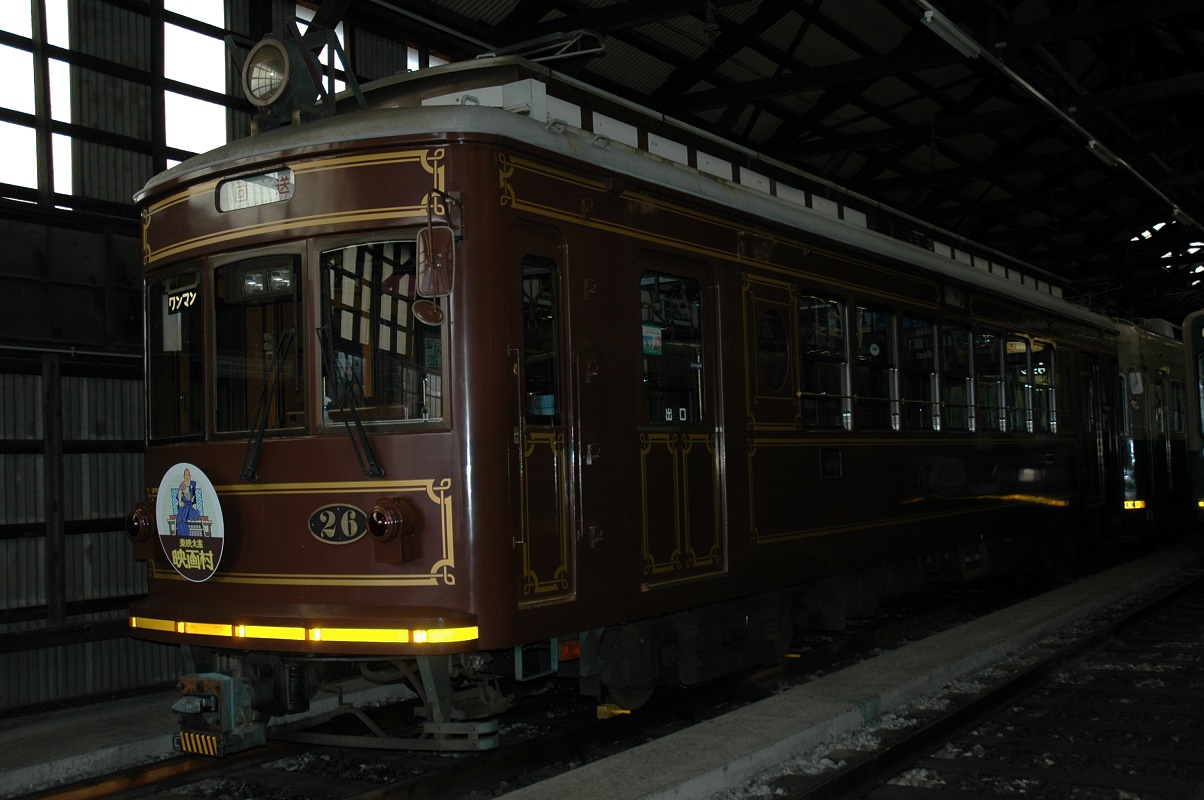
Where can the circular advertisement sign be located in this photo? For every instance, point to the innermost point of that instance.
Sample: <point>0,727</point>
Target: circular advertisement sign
<point>189,516</point>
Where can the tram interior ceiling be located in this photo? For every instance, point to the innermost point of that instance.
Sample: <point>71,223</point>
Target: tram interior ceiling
<point>1066,139</point>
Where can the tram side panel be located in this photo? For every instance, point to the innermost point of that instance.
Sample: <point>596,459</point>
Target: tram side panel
<point>832,499</point>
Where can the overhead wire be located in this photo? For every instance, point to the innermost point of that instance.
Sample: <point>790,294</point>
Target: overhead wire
<point>714,42</point>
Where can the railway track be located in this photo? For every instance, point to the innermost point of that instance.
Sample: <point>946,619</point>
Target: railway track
<point>552,729</point>
<point>1110,709</point>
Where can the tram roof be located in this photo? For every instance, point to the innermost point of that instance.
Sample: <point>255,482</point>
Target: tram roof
<point>516,99</point>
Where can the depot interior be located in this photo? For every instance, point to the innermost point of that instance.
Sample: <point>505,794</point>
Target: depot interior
<point>1062,135</point>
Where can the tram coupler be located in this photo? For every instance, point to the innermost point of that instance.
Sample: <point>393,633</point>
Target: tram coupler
<point>217,715</point>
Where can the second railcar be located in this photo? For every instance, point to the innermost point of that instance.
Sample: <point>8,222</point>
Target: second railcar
<point>1152,467</point>
<point>1193,350</point>
<point>501,364</point>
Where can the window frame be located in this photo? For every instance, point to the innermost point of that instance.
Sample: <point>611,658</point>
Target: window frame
<point>198,388</point>
<point>929,407</point>
<point>947,377</point>
<point>321,305</point>
<point>1038,388</point>
<point>991,416</point>
<point>700,409</point>
<point>887,418</point>
<point>808,356</point>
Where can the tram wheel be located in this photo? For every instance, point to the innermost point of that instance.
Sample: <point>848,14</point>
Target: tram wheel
<point>629,697</point>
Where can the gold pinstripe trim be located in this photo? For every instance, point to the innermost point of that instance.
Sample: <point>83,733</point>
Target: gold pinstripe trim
<point>425,157</point>
<point>290,224</point>
<point>509,164</point>
<point>438,492</point>
<point>428,159</point>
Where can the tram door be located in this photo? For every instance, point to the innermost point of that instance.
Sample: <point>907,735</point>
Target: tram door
<point>544,444</point>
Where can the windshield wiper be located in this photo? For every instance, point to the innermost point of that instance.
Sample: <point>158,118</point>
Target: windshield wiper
<point>250,458</point>
<point>359,439</point>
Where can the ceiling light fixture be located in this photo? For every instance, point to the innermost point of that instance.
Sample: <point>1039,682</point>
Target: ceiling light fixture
<point>955,36</point>
<point>1102,153</point>
<point>1184,218</point>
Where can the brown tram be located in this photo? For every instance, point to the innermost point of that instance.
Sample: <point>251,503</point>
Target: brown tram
<point>489,372</point>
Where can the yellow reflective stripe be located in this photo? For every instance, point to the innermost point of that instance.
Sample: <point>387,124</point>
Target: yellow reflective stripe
<point>393,635</point>
<point>206,628</point>
<point>151,624</point>
<point>442,635</point>
<point>270,632</point>
<point>299,634</point>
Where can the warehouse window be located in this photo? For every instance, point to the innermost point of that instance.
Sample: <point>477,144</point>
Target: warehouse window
<point>16,94</point>
<point>325,58</point>
<point>199,60</point>
<point>18,140</point>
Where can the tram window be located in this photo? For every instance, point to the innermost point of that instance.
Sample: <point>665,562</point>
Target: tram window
<point>956,400</point>
<point>1178,407</point>
<point>1045,418</point>
<point>1200,390</point>
<point>872,393</point>
<point>258,369</point>
<point>1018,384</point>
<point>1067,412</point>
<point>773,353</point>
<point>919,372</point>
<point>1123,404</point>
<point>379,356</point>
<point>988,380</point>
<point>175,344</point>
<point>821,335</point>
<point>671,331</point>
<point>1158,405</point>
<point>541,342</point>
<point>1091,404</point>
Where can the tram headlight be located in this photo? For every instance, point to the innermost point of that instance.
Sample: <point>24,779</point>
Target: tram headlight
<point>267,75</point>
<point>391,526</point>
<point>390,518</point>
<point>140,522</point>
<point>139,526</point>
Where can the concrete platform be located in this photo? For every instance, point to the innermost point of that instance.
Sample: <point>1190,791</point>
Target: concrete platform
<point>59,747</point>
<point>725,752</point>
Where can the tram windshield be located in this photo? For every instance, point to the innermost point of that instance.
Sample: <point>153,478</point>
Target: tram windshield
<point>258,378</point>
<point>381,360</point>
<point>381,363</point>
